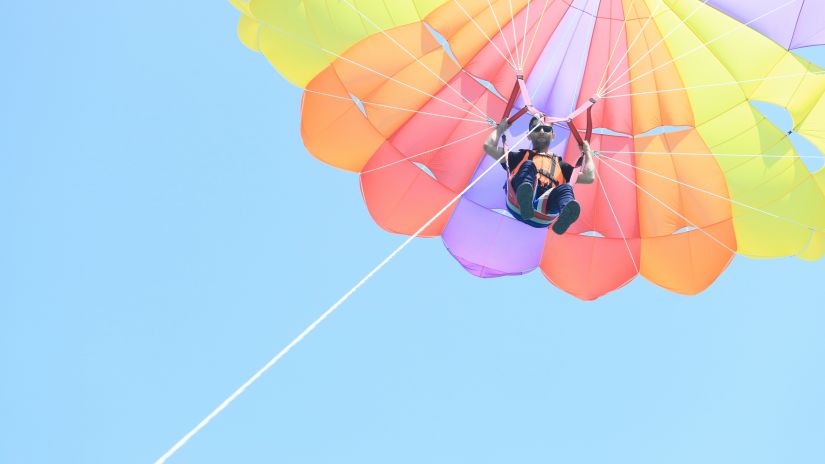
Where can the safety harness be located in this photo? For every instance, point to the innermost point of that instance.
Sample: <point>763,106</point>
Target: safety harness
<point>548,165</point>
<point>548,168</point>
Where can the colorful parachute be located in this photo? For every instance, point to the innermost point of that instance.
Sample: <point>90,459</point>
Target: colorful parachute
<point>689,171</point>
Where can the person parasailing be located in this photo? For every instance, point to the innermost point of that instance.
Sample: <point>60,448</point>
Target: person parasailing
<point>540,188</point>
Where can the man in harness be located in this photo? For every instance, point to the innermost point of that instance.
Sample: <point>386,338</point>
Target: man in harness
<point>539,190</point>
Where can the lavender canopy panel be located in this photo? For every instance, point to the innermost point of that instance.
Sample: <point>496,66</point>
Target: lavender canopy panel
<point>795,24</point>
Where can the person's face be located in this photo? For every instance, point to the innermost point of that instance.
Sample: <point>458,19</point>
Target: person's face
<point>543,134</point>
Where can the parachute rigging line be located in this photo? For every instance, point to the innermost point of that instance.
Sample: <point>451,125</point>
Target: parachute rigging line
<point>367,68</point>
<point>203,423</point>
<point>682,22</point>
<point>489,40</point>
<point>391,107</point>
<point>613,50</point>
<point>721,84</point>
<point>716,195</point>
<point>418,60</point>
<point>630,46</point>
<point>701,46</point>
<point>501,33</point>
<point>661,202</point>
<point>616,218</point>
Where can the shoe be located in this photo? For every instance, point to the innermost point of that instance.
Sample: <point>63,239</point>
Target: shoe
<point>524,196</point>
<point>567,217</point>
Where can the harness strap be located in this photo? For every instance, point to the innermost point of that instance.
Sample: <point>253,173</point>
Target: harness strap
<point>589,132</point>
<point>521,88</point>
<point>513,95</point>
<point>587,135</point>
<point>574,177</point>
<point>553,182</point>
<point>518,166</point>
<point>525,158</point>
<point>548,177</point>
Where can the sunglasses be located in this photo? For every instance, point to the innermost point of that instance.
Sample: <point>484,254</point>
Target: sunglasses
<point>543,128</point>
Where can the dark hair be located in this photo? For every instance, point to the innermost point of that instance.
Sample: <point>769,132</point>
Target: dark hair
<point>536,120</point>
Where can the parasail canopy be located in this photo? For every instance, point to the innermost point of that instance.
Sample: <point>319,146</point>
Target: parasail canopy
<point>689,171</point>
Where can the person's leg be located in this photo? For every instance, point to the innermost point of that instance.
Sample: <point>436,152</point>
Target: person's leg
<point>562,202</point>
<point>523,183</point>
<point>558,198</point>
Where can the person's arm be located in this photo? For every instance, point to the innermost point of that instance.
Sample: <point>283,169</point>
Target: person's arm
<point>588,172</point>
<point>491,144</point>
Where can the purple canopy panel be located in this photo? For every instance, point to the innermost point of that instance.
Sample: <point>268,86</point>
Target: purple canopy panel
<point>555,85</point>
<point>489,190</point>
<point>489,243</point>
<point>810,26</point>
<point>795,25</point>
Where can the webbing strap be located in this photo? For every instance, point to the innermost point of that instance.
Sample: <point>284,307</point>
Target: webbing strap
<point>589,132</point>
<point>520,87</point>
<point>513,95</point>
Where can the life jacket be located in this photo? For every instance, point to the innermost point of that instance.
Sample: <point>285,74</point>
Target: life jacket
<point>548,166</point>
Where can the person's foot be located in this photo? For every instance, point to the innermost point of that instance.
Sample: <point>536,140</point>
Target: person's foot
<point>524,196</point>
<point>567,217</point>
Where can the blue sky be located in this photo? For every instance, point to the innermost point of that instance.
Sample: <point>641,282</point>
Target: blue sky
<point>150,262</point>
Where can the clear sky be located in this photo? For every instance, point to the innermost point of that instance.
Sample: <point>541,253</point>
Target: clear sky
<point>150,262</point>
